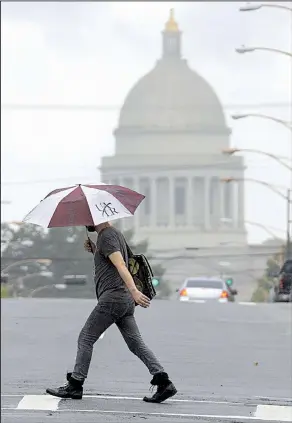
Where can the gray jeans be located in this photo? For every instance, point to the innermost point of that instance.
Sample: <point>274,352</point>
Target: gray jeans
<point>102,317</point>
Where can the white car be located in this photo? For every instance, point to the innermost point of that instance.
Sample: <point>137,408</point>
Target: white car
<point>202,289</point>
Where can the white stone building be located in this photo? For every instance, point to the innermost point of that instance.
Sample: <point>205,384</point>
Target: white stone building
<point>169,142</point>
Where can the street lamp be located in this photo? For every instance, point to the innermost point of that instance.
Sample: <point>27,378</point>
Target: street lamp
<point>69,280</point>
<point>287,197</point>
<point>41,261</point>
<point>285,123</point>
<point>267,229</point>
<point>248,7</point>
<point>244,49</point>
<point>231,151</point>
<point>257,181</point>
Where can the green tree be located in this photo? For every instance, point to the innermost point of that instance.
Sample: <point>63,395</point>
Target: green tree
<point>266,282</point>
<point>163,289</point>
<point>62,246</point>
<point>5,291</point>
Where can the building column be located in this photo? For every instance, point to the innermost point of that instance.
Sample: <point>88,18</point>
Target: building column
<point>190,202</point>
<point>135,217</point>
<point>171,203</point>
<point>235,215</point>
<point>240,204</point>
<point>222,194</point>
<point>153,212</point>
<point>114,180</point>
<point>207,203</point>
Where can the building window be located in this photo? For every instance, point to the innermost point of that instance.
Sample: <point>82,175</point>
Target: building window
<point>144,209</point>
<point>198,187</point>
<point>162,202</point>
<point>180,200</point>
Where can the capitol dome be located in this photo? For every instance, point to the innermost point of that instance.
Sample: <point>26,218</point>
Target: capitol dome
<point>172,96</point>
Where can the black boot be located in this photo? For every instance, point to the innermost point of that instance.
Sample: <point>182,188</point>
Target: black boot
<point>73,389</point>
<point>165,388</point>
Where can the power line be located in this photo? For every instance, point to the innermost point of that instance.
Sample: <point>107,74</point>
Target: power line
<point>100,107</point>
<point>43,181</point>
<point>197,259</point>
<point>141,172</point>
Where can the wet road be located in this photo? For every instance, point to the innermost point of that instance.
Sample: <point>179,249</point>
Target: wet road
<point>230,362</point>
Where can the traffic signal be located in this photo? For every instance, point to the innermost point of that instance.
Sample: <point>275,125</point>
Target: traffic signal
<point>155,282</point>
<point>229,281</point>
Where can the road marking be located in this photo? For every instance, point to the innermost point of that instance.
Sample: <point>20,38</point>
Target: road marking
<point>274,413</point>
<point>129,398</point>
<point>39,402</point>
<point>252,402</point>
<point>143,413</point>
<point>126,398</point>
<point>49,403</point>
<point>247,303</point>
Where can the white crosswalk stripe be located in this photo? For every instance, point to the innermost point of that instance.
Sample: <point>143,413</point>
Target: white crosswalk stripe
<point>128,405</point>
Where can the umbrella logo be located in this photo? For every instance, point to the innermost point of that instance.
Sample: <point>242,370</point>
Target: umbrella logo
<point>106,209</point>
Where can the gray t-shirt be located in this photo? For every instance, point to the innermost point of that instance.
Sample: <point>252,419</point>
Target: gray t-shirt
<point>106,277</point>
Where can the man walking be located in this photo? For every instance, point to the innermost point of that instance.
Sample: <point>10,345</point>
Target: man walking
<point>117,295</point>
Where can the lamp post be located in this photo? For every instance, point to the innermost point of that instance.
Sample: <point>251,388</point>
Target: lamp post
<point>20,262</point>
<point>60,286</point>
<point>285,123</point>
<point>249,7</point>
<point>287,198</point>
<point>69,280</point>
<point>231,151</point>
<point>243,49</point>
<point>267,229</point>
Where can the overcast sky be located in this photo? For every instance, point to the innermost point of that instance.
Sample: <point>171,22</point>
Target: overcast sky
<point>92,53</point>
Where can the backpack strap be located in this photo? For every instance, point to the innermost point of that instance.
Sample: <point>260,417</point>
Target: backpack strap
<point>129,251</point>
<point>147,262</point>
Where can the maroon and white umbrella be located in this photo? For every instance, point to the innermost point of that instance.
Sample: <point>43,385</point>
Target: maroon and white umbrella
<point>84,205</point>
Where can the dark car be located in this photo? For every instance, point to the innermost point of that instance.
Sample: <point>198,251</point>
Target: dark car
<point>283,285</point>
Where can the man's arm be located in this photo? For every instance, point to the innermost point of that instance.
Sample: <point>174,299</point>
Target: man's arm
<point>117,260</point>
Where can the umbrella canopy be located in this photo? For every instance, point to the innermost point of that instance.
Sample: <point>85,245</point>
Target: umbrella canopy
<point>84,205</point>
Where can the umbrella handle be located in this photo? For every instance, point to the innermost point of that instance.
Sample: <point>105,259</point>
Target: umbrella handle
<point>89,239</point>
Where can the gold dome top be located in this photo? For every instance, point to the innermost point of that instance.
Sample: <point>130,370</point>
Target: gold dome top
<point>171,25</point>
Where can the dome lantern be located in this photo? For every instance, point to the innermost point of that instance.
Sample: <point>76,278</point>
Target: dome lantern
<point>171,38</point>
<point>171,25</point>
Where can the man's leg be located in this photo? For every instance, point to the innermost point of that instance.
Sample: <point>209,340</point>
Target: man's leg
<point>131,334</point>
<point>99,320</point>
